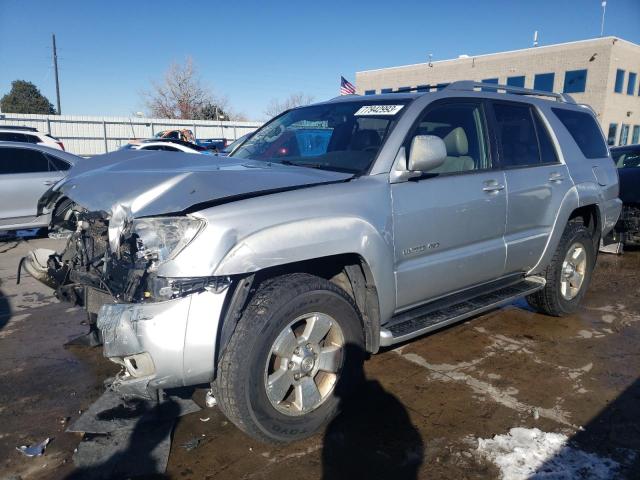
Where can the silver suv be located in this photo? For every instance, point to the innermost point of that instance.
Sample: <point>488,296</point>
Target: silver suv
<point>335,230</point>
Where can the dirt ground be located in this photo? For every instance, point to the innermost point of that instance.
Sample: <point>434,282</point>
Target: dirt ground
<point>420,415</point>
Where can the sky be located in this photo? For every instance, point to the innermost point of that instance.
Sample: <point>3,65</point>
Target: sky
<point>253,52</point>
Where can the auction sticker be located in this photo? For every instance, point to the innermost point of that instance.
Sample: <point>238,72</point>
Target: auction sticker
<point>378,110</point>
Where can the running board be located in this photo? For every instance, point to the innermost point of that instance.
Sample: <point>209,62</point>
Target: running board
<point>425,319</point>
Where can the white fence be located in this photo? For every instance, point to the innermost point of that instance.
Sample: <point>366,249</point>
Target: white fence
<point>85,135</point>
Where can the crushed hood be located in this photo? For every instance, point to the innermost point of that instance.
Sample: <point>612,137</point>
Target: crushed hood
<point>156,182</point>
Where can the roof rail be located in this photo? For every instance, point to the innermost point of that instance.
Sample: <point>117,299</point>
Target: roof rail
<point>421,88</point>
<point>469,85</point>
<point>16,127</point>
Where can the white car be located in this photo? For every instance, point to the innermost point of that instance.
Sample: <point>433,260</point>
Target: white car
<point>10,133</point>
<point>165,145</point>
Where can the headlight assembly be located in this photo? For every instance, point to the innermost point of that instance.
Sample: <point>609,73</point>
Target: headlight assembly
<point>162,238</point>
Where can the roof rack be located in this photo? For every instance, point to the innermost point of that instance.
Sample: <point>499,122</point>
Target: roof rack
<point>469,85</point>
<point>16,127</point>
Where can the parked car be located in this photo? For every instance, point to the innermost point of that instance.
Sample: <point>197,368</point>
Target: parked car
<point>214,144</point>
<point>183,134</point>
<point>29,135</point>
<point>627,160</point>
<point>233,145</point>
<point>26,171</point>
<point>166,145</point>
<point>336,229</point>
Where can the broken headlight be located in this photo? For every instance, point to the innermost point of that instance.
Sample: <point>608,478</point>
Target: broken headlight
<point>161,238</point>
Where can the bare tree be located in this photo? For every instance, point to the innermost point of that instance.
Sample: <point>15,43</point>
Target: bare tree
<point>182,94</point>
<point>294,100</point>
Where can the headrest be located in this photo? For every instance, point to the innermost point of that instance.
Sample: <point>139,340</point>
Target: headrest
<point>365,138</point>
<point>456,143</point>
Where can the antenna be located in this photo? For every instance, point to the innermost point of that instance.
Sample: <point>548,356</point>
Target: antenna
<point>604,10</point>
<point>535,38</point>
<point>430,58</point>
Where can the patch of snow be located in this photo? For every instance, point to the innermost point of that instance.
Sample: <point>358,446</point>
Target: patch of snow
<point>531,454</point>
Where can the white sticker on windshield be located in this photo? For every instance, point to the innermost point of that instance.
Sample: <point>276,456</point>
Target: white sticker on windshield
<point>378,110</point>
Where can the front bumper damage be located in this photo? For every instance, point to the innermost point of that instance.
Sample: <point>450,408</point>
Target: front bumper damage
<point>161,330</point>
<point>162,345</point>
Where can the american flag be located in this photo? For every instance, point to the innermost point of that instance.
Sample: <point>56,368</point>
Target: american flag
<point>346,87</point>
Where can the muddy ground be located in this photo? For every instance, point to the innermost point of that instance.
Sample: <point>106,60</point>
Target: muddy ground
<point>421,413</point>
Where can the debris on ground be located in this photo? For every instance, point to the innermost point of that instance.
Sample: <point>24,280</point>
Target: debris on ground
<point>529,454</point>
<point>130,438</point>
<point>34,450</point>
<point>192,443</point>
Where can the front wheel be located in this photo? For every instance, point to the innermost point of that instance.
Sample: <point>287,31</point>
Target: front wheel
<point>295,354</point>
<point>569,273</point>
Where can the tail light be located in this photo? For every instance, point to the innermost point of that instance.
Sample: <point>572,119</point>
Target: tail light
<point>61,145</point>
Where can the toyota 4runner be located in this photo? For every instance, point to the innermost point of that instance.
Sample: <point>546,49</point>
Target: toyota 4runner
<point>336,229</point>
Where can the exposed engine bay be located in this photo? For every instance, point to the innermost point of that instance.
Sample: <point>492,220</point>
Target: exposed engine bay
<point>101,265</point>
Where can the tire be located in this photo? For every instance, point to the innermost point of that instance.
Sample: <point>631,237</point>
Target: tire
<point>247,362</point>
<point>551,300</point>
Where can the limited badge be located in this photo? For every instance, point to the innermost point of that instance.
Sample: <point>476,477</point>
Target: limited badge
<point>378,110</point>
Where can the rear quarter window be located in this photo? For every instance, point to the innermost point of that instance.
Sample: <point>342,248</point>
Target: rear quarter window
<point>584,130</point>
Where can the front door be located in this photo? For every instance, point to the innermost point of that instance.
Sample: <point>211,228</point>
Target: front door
<point>449,223</point>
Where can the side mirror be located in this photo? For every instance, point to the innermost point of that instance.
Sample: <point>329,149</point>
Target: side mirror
<point>427,152</point>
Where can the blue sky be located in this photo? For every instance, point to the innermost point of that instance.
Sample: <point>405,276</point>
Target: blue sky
<point>255,51</point>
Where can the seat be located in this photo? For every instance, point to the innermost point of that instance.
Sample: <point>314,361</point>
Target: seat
<point>457,153</point>
<point>365,139</point>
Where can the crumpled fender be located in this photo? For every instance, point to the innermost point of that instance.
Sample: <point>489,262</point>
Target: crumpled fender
<point>312,239</point>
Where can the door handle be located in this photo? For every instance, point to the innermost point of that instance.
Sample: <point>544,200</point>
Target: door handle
<point>556,177</point>
<point>48,183</point>
<point>492,186</point>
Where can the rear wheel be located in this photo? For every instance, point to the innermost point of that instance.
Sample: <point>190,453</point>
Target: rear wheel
<point>569,273</point>
<point>295,353</point>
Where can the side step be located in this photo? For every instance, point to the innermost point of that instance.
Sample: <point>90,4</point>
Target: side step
<point>427,318</point>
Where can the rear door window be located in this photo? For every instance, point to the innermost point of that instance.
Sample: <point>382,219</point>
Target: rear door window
<point>22,160</point>
<point>12,137</point>
<point>57,165</point>
<point>584,130</point>
<point>517,135</point>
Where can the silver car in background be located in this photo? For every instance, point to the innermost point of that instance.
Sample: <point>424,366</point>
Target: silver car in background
<point>26,172</point>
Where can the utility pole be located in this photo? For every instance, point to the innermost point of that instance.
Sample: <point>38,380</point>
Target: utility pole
<point>55,67</point>
<point>604,10</point>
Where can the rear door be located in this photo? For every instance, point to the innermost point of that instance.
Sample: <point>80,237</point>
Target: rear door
<point>536,181</point>
<point>449,223</point>
<point>25,175</point>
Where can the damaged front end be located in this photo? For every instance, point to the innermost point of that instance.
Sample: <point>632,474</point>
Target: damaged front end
<point>161,330</point>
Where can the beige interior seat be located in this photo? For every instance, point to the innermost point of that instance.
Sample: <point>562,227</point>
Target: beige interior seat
<point>457,153</point>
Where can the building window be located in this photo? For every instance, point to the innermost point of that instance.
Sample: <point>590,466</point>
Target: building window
<point>422,88</point>
<point>516,81</point>
<point>369,92</point>
<point>403,89</point>
<point>386,90</point>
<point>611,136</point>
<point>575,81</point>
<point>619,81</point>
<point>624,134</point>
<point>631,84</point>
<point>635,137</point>
<point>544,82</point>
<point>490,80</point>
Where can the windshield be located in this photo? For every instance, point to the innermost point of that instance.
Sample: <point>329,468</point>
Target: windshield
<point>627,158</point>
<point>341,136</point>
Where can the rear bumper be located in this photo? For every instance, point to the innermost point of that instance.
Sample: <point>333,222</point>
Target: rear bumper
<point>163,344</point>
